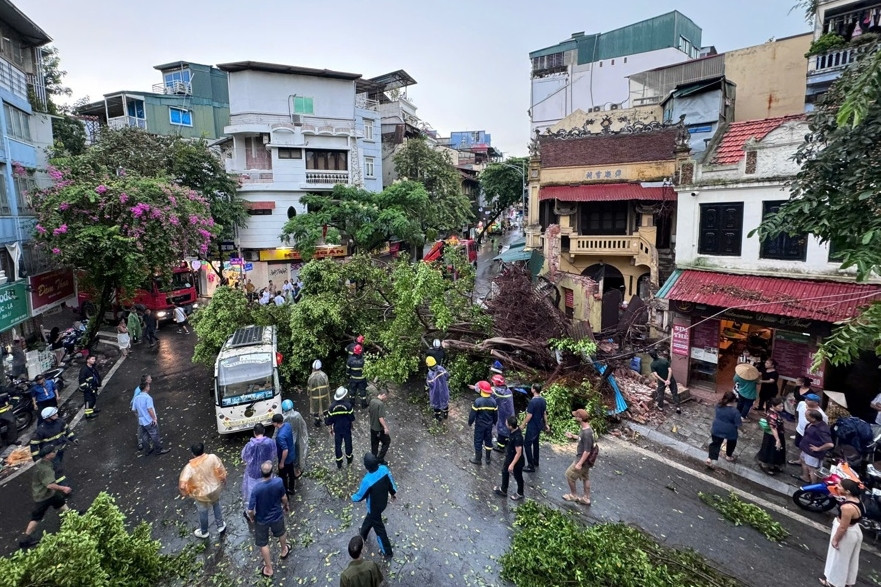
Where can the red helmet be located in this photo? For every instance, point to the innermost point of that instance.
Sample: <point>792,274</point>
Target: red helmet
<point>498,380</point>
<point>358,349</point>
<point>360,339</point>
<point>484,387</point>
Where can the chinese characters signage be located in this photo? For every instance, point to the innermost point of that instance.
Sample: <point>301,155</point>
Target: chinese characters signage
<point>603,174</point>
<point>13,304</point>
<point>679,344</point>
<point>51,289</point>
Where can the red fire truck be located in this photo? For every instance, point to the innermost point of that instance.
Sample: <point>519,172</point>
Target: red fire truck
<point>157,293</point>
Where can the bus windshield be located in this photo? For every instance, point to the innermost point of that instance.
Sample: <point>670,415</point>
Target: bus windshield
<point>245,379</point>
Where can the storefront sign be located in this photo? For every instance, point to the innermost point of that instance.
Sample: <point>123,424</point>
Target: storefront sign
<point>603,174</point>
<point>708,355</point>
<point>13,305</point>
<point>51,289</point>
<point>294,255</point>
<point>679,344</point>
<point>794,353</point>
<point>772,320</point>
<point>236,261</point>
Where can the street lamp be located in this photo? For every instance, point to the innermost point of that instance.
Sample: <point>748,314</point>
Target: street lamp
<point>522,173</point>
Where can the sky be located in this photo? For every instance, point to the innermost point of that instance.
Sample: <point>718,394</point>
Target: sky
<point>470,60</point>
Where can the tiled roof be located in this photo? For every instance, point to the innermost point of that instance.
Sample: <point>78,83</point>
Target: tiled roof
<point>730,149</point>
<point>609,149</point>
<point>604,192</point>
<point>826,301</point>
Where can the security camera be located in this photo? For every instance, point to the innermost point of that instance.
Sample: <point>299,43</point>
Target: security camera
<point>695,194</point>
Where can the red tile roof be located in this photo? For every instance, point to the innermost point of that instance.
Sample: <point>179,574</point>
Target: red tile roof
<point>609,149</point>
<point>730,149</point>
<point>604,192</point>
<point>798,298</point>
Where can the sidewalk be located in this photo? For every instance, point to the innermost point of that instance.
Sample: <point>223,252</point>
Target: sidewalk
<point>688,433</point>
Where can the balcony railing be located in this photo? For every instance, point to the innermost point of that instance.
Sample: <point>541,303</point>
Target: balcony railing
<point>643,252</point>
<point>535,240</point>
<point>127,121</point>
<point>308,124</point>
<point>327,177</point>
<point>835,59</point>
<point>13,79</point>
<point>256,177</point>
<point>174,88</point>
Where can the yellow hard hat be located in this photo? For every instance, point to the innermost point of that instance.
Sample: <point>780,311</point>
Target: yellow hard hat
<point>430,361</point>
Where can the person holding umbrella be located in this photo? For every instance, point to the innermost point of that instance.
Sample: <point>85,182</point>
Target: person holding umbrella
<point>745,377</point>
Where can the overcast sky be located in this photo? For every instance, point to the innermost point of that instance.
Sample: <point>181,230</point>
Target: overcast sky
<point>470,60</point>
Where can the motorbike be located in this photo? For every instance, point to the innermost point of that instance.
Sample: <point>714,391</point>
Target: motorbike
<point>823,496</point>
<point>22,411</point>
<point>71,341</point>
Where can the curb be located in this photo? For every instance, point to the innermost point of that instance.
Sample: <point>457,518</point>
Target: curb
<point>73,423</point>
<point>696,453</point>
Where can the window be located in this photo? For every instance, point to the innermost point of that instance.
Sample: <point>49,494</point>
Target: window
<point>17,123</point>
<point>721,229</point>
<point>180,117</point>
<point>177,77</point>
<point>284,153</point>
<point>302,105</point>
<point>368,167</point>
<point>785,247</point>
<point>368,129</point>
<point>606,218</point>
<point>24,190</point>
<point>5,210</point>
<point>835,254</point>
<point>323,160</point>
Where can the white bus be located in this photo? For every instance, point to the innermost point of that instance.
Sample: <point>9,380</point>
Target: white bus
<point>246,384</point>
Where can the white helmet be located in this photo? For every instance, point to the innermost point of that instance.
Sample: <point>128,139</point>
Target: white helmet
<point>316,365</point>
<point>436,344</point>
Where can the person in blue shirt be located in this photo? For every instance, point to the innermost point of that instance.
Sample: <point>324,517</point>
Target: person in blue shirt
<point>287,452</point>
<point>266,510</point>
<point>376,486</point>
<point>148,422</point>
<point>43,394</point>
<point>535,423</point>
<point>146,383</point>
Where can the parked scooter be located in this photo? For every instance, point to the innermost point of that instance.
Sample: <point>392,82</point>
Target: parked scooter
<point>22,410</point>
<point>822,497</point>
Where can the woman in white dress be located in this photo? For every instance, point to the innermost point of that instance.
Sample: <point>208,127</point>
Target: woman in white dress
<point>843,556</point>
<point>123,338</point>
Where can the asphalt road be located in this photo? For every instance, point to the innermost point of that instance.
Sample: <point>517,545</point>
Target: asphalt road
<point>447,527</point>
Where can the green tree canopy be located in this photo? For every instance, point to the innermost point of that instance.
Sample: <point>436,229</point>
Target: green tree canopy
<point>449,210</point>
<point>186,162</point>
<point>118,230</point>
<point>502,186</point>
<point>369,219</point>
<point>836,194</point>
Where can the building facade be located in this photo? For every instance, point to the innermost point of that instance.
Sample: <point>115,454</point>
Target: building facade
<point>590,72</point>
<point>191,101</point>
<point>734,294</point>
<point>602,212</point>
<point>848,20</point>
<point>293,131</point>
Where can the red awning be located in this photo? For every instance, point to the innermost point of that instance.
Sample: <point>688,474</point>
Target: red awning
<point>259,205</point>
<point>798,298</point>
<point>605,192</point>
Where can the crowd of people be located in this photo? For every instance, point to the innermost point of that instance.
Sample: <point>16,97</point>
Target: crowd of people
<point>288,293</point>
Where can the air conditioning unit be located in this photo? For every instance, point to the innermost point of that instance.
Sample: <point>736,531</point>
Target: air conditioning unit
<point>595,109</point>
<point>614,106</point>
<point>296,120</point>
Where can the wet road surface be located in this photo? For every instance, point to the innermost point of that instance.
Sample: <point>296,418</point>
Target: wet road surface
<point>447,527</point>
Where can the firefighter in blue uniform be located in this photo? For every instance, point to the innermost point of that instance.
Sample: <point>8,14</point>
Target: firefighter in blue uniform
<point>483,416</point>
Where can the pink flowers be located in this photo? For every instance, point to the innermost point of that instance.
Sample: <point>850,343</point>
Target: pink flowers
<point>63,206</point>
<point>56,251</point>
<point>101,189</point>
<point>194,219</point>
<point>39,228</point>
<point>204,233</point>
<point>138,209</point>
<point>54,173</point>
<point>123,198</point>
<point>174,220</point>
<point>60,230</point>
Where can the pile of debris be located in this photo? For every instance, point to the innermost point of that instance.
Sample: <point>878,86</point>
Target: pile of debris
<point>639,392</point>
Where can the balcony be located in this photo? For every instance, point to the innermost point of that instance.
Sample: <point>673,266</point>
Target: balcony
<point>253,177</point>
<point>832,61</point>
<point>176,88</point>
<point>126,121</point>
<point>13,79</point>
<point>326,178</point>
<point>535,240</point>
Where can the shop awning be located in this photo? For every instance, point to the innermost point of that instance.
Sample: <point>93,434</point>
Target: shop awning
<point>515,254</point>
<point>605,192</point>
<point>826,301</point>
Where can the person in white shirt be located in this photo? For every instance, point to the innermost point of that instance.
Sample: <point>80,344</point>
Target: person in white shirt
<point>278,299</point>
<point>286,287</point>
<point>876,405</point>
<point>264,297</point>
<point>181,318</point>
<point>812,402</point>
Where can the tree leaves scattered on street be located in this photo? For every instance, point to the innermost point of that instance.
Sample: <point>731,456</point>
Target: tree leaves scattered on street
<point>740,512</point>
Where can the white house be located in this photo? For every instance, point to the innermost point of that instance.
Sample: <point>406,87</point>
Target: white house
<point>734,294</point>
<point>294,130</point>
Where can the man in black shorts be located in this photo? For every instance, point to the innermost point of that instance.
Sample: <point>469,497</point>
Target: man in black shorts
<point>46,492</point>
<point>266,509</point>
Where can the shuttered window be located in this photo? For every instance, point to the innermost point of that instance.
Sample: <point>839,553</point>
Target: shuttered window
<point>721,229</point>
<point>784,247</point>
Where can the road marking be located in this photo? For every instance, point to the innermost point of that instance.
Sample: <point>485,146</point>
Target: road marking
<point>76,420</point>
<point>721,485</point>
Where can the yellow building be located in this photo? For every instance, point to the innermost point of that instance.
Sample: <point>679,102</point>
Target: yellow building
<point>602,209</point>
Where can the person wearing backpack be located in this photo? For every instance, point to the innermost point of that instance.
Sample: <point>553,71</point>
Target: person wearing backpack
<point>586,455</point>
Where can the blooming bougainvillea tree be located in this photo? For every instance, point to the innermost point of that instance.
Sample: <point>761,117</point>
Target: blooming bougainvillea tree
<point>117,231</point>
